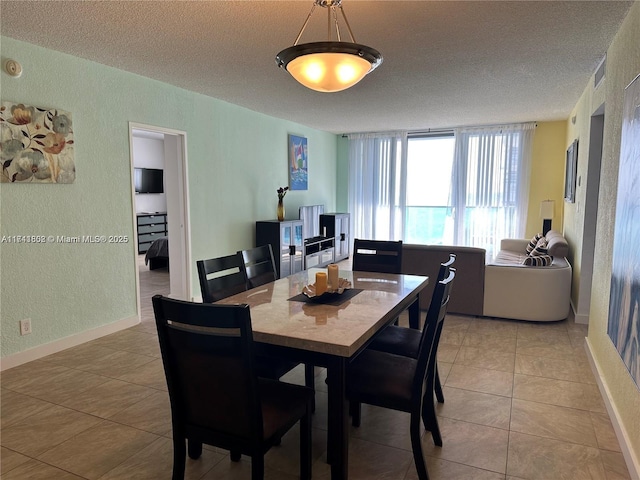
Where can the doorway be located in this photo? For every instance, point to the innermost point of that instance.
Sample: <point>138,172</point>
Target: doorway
<point>596,136</point>
<point>171,144</point>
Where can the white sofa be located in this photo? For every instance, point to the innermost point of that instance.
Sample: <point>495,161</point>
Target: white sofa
<point>521,292</point>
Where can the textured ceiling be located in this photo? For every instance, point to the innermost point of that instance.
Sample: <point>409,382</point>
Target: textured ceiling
<point>446,63</point>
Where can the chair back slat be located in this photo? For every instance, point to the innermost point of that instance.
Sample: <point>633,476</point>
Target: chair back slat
<point>444,267</point>
<point>208,361</point>
<point>377,256</point>
<point>426,361</point>
<point>259,266</point>
<point>221,277</point>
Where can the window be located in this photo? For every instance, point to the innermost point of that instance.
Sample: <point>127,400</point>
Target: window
<point>469,187</point>
<point>490,182</point>
<point>428,208</point>
<point>377,185</point>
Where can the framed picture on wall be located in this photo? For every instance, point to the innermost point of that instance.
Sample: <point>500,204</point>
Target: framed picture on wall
<point>624,325</point>
<point>38,144</point>
<point>571,172</point>
<point>298,163</point>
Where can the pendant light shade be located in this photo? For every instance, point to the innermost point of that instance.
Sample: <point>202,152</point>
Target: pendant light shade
<point>329,66</point>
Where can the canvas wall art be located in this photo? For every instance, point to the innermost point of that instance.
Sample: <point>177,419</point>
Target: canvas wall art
<point>624,307</point>
<point>36,145</point>
<point>571,172</point>
<point>298,163</point>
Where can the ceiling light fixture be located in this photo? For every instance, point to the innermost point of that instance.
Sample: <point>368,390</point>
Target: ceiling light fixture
<point>329,66</point>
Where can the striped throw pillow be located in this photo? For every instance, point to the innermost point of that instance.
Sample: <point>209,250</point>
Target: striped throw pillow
<point>533,242</point>
<point>538,261</point>
<point>540,248</point>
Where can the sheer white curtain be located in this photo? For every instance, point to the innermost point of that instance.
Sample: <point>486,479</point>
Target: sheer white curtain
<point>490,184</point>
<point>377,185</point>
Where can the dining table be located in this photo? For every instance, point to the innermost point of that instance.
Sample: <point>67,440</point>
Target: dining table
<point>329,330</point>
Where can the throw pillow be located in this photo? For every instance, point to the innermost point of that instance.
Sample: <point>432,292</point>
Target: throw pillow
<point>540,248</point>
<point>533,242</point>
<point>539,261</point>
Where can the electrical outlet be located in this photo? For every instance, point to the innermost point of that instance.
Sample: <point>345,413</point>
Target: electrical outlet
<point>25,326</point>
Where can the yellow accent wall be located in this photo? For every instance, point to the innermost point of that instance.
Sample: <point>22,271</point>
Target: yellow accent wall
<point>623,64</point>
<point>547,174</point>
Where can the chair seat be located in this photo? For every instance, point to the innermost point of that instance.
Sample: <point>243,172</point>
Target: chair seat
<point>398,340</point>
<point>282,405</point>
<point>381,379</point>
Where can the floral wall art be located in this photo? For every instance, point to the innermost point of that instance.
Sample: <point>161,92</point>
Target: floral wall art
<point>36,145</point>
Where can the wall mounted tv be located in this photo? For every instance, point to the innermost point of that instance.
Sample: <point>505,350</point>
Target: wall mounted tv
<point>148,180</point>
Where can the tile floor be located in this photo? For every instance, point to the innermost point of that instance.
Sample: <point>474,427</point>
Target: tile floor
<point>521,403</point>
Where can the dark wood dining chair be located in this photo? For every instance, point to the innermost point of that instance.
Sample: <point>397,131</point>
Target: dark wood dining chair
<point>259,266</point>
<point>377,256</point>
<point>222,277</point>
<point>406,341</point>
<point>399,383</point>
<point>216,396</point>
<point>259,269</point>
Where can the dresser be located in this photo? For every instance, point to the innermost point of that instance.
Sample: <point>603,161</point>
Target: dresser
<point>150,227</point>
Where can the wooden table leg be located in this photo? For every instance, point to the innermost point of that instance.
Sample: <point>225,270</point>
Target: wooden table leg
<point>338,435</point>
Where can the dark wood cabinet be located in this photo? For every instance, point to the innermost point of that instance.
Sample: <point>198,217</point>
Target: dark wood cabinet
<point>318,252</point>
<point>337,226</point>
<point>150,227</point>
<point>286,242</point>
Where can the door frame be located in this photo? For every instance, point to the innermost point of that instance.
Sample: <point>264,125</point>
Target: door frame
<point>177,191</point>
<point>592,192</point>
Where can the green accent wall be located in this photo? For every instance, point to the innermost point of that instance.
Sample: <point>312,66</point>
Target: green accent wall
<point>236,160</point>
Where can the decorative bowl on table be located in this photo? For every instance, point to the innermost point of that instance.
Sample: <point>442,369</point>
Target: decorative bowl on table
<point>310,290</point>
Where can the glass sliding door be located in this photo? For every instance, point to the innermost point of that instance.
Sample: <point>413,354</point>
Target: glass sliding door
<point>469,186</point>
<point>428,197</point>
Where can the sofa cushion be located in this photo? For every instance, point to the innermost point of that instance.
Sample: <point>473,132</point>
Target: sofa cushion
<point>533,242</point>
<point>557,245</point>
<point>538,260</point>
<point>507,257</point>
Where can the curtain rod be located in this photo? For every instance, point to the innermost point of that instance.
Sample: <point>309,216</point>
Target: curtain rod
<point>442,130</point>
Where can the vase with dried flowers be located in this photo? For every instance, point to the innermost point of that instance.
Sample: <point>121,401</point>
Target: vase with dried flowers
<point>282,191</point>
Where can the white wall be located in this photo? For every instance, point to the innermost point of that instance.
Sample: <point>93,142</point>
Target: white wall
<point>148,152</point>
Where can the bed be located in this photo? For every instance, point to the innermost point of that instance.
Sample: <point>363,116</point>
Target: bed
<point>158,254</point>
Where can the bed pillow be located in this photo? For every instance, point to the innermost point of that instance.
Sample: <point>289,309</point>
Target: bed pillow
<point>538,261</point>
<point>534,241</point>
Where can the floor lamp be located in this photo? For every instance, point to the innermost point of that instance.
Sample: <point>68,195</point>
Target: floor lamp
<point>546,213</point>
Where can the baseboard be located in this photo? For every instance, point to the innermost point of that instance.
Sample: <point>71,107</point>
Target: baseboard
<point>40,351</point>
<point>579,317</point>
<point>630,458</point>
